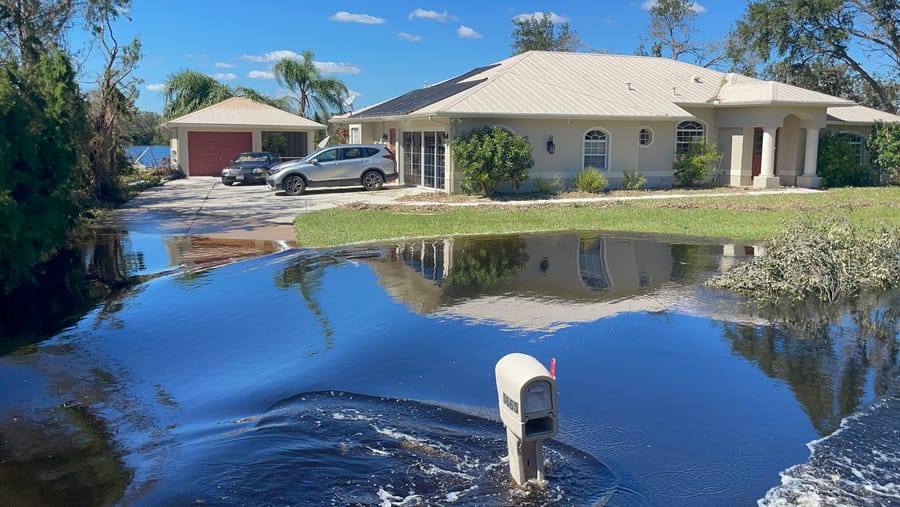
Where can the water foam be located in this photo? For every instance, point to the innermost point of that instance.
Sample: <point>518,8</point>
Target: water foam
<point>857,465</point>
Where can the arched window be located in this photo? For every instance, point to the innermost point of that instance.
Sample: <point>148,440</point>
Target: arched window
<point>857,144</point>
<point>596,149</point>
<point>687,134</point>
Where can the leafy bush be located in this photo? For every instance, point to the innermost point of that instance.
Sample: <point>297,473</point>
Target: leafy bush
<point>489,156</point>
<point>632,180</point>
<point>547,186</point>
<point>826,258</point>
<point>590,180</point>
<point>884,147</point>
<point>839,166</point>
<point>694,166</point>
<point>480,264</point>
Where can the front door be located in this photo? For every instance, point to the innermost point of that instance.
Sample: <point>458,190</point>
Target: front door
<point>757,151</point>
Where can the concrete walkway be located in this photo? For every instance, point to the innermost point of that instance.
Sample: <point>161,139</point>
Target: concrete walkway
<point>202,206</point>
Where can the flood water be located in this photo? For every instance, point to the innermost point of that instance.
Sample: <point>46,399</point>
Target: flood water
<point>193,371</point>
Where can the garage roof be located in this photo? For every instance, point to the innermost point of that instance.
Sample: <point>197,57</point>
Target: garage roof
<point>243,112</point>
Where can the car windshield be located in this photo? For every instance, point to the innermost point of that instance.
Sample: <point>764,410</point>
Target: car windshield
<point>251,157</point>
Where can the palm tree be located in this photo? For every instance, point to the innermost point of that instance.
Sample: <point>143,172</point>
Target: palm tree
<point>190,90</point>
<point>283,103</point>
<point>314,93</point>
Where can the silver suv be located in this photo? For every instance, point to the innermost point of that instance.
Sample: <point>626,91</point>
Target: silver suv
<point>369,165</point>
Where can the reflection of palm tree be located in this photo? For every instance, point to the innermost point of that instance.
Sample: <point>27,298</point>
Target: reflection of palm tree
<point>305,273</point>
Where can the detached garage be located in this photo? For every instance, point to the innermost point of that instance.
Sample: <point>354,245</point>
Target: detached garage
<point>205,141</point>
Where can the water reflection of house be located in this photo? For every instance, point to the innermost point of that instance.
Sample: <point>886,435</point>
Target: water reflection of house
<point>202,251</point>
<point>561,278</point>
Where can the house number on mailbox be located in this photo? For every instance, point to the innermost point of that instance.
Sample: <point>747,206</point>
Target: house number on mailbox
<point>511,403</point>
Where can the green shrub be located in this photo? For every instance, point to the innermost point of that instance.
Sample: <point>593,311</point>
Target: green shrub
<point>632,180</point>
<point>590,180</point>
<point>825,258</point>
<point>489,156</point>
<point>547,186</point>
<point>694,166</point>
<point>839,166</point>
<point>884,147</point>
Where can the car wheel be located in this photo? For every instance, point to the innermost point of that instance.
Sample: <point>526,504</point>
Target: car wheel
<point>294,185</point>
<point>227,183</point>
<point>372,180</point>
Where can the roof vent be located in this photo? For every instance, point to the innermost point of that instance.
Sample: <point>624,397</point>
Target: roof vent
<point>695,78</point>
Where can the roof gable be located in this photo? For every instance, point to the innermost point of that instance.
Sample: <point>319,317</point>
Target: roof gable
<point>241,111</point>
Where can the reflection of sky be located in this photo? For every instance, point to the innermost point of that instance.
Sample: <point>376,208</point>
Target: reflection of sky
<point>153,246</point>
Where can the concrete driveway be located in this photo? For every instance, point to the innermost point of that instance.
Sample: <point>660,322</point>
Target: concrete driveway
<point>202,206</point>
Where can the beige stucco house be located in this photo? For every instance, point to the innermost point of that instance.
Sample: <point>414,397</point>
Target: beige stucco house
<point>616,113</point>
<point>206,140</point>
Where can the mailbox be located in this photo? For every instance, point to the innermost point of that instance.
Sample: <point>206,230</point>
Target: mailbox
<point>527,397</point>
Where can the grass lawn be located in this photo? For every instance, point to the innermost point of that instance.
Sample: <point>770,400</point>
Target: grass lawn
<point>741,216</point>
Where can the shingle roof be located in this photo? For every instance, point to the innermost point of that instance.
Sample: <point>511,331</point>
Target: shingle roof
<point>240,111</point>
<point>417,99</point>
<point>559,84</point>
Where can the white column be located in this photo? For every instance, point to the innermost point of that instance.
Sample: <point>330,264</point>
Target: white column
<point>767,165</point>
<point>809,178</point>
<point>767,178</point>
<point>812,152</point>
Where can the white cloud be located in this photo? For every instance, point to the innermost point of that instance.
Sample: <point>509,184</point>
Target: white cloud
<point>224,76</point>
<point>273,56</point>
<point>467,33</point>
<point>648,4</point>
<point>432,15</point>
<point>346,17</point>
<point>156,87</point>
<point>554,17</point>
<point>223,65</point>
<point>410,37</point>
<point>337,68</point>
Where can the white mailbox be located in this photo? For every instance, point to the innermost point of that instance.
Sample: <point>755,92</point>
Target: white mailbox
<point>527,396</point>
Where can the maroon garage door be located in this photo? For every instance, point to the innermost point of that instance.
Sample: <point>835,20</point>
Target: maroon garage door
<point>209,152</point>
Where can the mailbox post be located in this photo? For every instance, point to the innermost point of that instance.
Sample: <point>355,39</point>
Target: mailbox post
<point>527,397</point>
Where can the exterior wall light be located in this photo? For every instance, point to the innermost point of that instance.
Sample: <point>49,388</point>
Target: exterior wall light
<point>551,147</point>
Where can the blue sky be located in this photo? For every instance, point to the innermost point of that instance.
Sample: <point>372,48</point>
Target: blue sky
<point>379,49</point>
